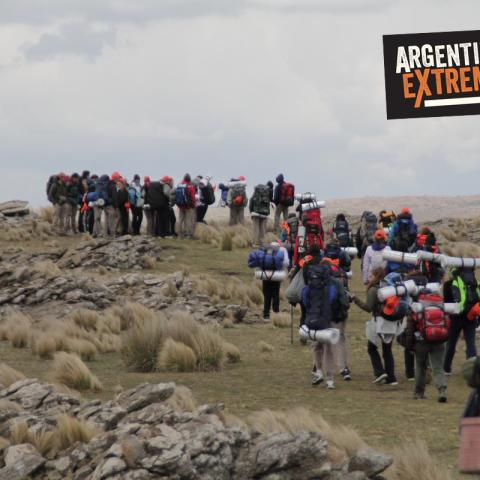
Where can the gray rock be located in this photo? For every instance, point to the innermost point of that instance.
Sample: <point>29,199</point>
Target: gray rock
<point>21,461</point>
<point>109,467</point>
<point>145,394</point>
<point>369,462</point>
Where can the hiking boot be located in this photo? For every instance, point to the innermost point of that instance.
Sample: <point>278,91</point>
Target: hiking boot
<point>448,372</point>
<point>419,396</point>
<point>345,373</point>
<point>391,383</point>
<point>380,378</point>
<point>442,395</point>
<point>410,379</point>
<point>330,385</point>
<point>266,318</point>
<point>317,377</point>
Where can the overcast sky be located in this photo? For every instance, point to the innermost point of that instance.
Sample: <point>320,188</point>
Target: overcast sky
<point>245,87</point>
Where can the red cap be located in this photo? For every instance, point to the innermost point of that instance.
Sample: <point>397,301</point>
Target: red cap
<point>115,176</point>
<point>146,179</point>
<point>380,235</point>
<point>405,210</point>
<point>241,178</point>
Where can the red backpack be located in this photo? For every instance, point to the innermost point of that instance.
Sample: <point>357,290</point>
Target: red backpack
<point>287,194</point>
<point>433,323</point>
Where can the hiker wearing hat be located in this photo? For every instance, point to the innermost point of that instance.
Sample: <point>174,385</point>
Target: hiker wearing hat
<point>283,198</point>
<point>373,257</point>
<point>122,206</point>
<point>403,234</point>
<point>146,207</point>
<point>185,200</point>
<point>378,329</point>
<point>111,212</point>
<point>136,199</point>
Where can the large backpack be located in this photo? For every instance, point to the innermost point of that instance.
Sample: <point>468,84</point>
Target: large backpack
<point>368,227</point>
<point>261,200</point>
<point>183,196</point>
<point>156,196</point>
<point>312,219</point>
<point>266,258</point>
<point>208,195</point>
<point>50,182</point>
<point>396,307</point>
<point>318,297</point>
<point>386,218</point>
<point>468,289</point>
<point>101,188</point>
<point>432,322</point>
<point>238,194</point>
<point>291,227</point>
<point>403,239</point>
<point>341,230</point>
<point>287,194</point>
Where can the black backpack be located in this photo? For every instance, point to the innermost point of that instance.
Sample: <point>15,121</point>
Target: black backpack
<point>208,194</point>
<point>319,296</point>
<point>471,288</point>
<point>402,240</point>
<point>369,227</point>
<point>156,196</point>
<point>341,230</point>
<point>261,200</point>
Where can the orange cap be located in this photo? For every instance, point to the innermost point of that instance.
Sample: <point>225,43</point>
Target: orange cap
<point>405,210</point>
<point>380,235</point>
<point>115,176</point>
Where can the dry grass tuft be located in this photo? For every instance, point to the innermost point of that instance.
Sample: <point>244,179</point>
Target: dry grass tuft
<point>228,322</point>
<point>46,214</point>
<point>226,243</point>
<point>176,356</point>
<point>265,347</point>
<point>87,319</point>
<point>281,320</point>
<point>130,314</point>
<point>232,353</point>
<point>42,440</point>
<point>47,269</point>
<point>8,375</point>
<point>182,400</point>
<point>17,330</point>
<point>70,370</point>
<point>149,263</point>
<point>44,345</point>
<point>450,235</point>
<point>70,430</point>
<point>412,461</point>
<point>86,350</point>
<point>101,270</point>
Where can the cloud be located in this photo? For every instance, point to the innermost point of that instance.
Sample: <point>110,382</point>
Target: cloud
<point>73,38</point>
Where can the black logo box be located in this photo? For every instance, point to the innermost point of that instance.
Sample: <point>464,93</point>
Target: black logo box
<point>400,107</point>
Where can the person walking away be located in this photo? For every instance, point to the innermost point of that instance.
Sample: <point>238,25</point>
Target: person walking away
<point>403,233</point>
<point>111,212</point>
<point>341,265</point>
<point>185,200</point>
<point>73,199</point>
<point>283,198</point>
<point>92,186</point>
<point>373,257</point>
<point>136,200</point>
<point>259,206</point>
<point>237,200</point>
<point>206,197</point>
<point>288,235</point>
<point>122,205</point>
<point>462,288</point>
<point>309,233</point>
<point>426,333</point>
<point>365,233</point>
<point>341,230</point>
<point>97,200</point>
<point>377,329</point>
<point>158,201</point>
<point>146,206</point>
<point>170,192</point>
<point>427,241</point>
<point>58,196</point>
<point>325,304</point>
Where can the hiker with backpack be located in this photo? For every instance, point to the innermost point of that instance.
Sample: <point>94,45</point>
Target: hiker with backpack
<point>83,204</point>
<point>426,332</point>
<point>373,256</point>
<point>71,206</point>
<point>111,212</point>
<point>97,201</point>
<point>122,206</point>
<point>341,230</point>
<point>185,201</point>
<point>403,232</point>
<point>57,194</point>
<point>136,200</point>
<point>427,241</point>
<point>365,233</point>
<point>325,305</point>
<point>259,206</point>
<point>237,200</point>
<point>158,199</point>
<point>288,235</point>
<point>462,288</point>
<point>146,206</point>
<point>206,196</point>
<point>283,198</point>
<point>379,328</point>
<point>386,218</point>
<point>271,262</point>
<point>310,232</point>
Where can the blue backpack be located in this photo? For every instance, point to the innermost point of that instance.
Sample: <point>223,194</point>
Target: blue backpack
<point>182,198</point>
<point>92,197</point>
<point>101,188</point>
<point>318,297</point>
<point>267,258</point>
<point>133,196</point>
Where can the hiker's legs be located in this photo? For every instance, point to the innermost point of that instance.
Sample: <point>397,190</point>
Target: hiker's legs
<point>137,217</point>
<point>318,357</point>
<point>469,331</point>
<point>267,297</point>
<point>453,335</point>
<point>256,231</point>
<point>68,216</point>
<point>149,217</point>
<point>341,346</point>
<point>328,361</point>
<point>375,359</point>
<point>421,361</point>
<point>182,222</point>
<point>73,218</point>
<point>201,212</point>
<point>303,314</point>
<point>97,221</point>
<point>241,216</point>
<point>437,353</point>
<point>262,230</point>
<point>233,216</point>
<point>276,218</point>
<point>173,221</point>
<point>90,220</point>
<point>276,296</point>
<point>191,221</point>
<point>123,220</point>
<point>409,358</point>
<point>388,361</point>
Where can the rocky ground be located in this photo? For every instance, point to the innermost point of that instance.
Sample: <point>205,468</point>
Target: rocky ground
<point>141,436</point>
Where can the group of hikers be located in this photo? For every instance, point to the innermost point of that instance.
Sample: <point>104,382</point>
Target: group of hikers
<point>316,262</point>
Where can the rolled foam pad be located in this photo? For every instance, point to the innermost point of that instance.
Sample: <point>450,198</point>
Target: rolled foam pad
<point>407,287</point>
<point>459,262</point>
<point>351,251</point>
<point>429,256</point>
<point>305,197</point>
<point>231,184</point>
<point>434,287</point>
<point>313,205</point>
<point>277,276</point>
<point>328,335</point>
<point>400,257</point>
<point>349,274</point>
<point>451,308</point>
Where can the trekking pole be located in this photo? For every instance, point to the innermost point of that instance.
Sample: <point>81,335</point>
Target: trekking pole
<point>291,324</point>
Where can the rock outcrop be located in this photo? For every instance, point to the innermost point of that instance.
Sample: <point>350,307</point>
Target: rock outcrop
<point>141,436</point>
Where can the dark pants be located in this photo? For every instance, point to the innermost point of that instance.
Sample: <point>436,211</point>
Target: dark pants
<point>271,297</point>
<point>409,356</point>
<point>137,217</point>
<point>468,327</point>
<point>81,221</point>
<point>173,221</point>
<point>123,216</point>
<point>378,368</point>
<point>201,212</point>
<point>161,221</point>
<point>303,315</point>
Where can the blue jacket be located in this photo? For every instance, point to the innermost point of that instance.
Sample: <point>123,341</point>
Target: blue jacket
<point>276,192</point>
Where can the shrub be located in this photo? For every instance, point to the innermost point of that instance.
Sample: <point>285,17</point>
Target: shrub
<point>42,440</point>
<point>8,375</point>
<point>142,344</point>
<point>182,399</point>
<point>87,319</point>
<point>176,356</point>
<point>265,347</point>
<point>170,289</point>
<point>130,314</point>
<point>281,320</point>
<point>18,330</point>
<point>226,243</point>
<point>83,348</point>
<point>70,430</point>
<point>231,351</point>
<point>44,345</point>
<point>71,371</point>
